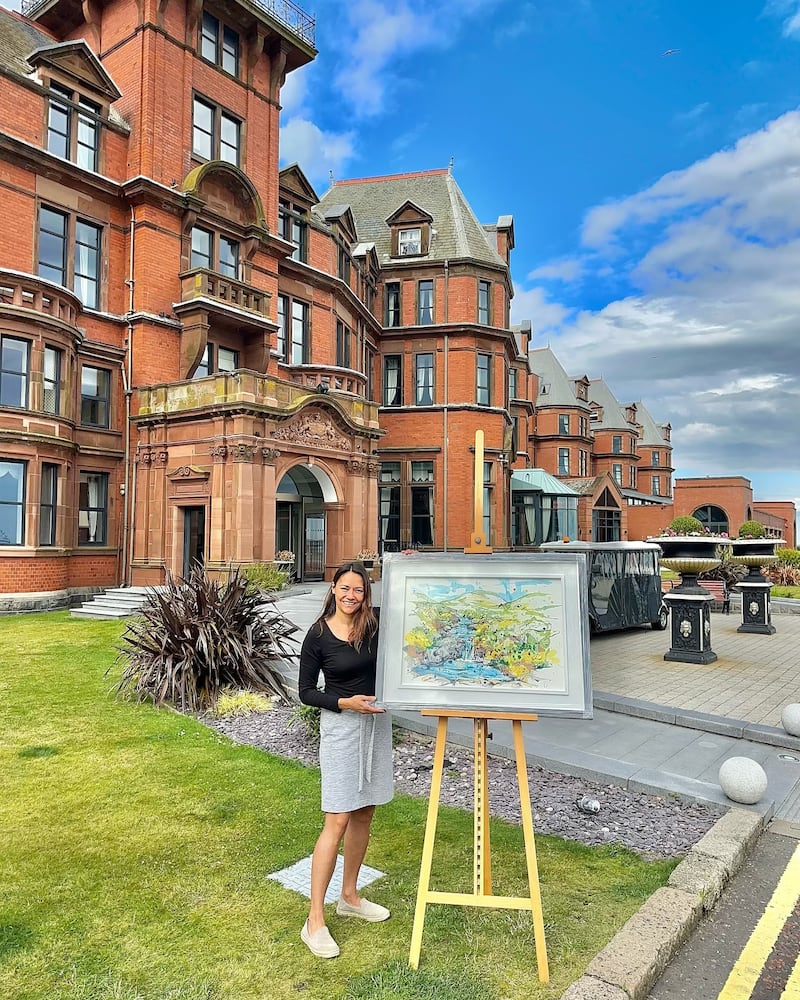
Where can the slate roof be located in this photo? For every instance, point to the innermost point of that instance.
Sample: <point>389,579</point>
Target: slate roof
<point>18,39</point>
<point>613,414</point>
<point>372,200</point>
<point>556,388</point>
<point>585,487</point>
<point>652,433</point>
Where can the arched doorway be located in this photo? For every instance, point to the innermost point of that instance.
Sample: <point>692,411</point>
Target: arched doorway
<point>712,517</point>
<point>300,518</point>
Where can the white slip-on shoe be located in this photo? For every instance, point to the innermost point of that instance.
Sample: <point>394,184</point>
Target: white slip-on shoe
<point>373,912</point>
<point>320,943</point>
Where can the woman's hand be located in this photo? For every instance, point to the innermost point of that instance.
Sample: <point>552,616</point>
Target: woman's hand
<point>362,703</point>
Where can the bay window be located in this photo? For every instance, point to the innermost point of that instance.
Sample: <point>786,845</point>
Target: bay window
<point>14,371</point>
<point>12,502</point>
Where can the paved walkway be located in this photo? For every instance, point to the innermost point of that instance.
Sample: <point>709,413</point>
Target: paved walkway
<point>660,726</point>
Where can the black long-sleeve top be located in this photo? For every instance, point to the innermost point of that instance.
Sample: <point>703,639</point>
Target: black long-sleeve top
<point>346,671</point>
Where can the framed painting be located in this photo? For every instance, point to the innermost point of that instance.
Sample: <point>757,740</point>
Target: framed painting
<point>496,632</point>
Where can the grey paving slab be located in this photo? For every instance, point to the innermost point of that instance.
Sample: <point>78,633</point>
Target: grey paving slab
<point>297,877</point>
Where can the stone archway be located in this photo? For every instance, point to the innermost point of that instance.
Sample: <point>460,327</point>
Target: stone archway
<point>302,499</point>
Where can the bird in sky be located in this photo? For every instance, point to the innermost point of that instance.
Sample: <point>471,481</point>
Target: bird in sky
<point>670,52</point>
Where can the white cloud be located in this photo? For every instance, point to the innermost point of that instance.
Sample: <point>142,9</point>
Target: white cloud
<point>789,12</point>
<point>318,153</point>
<point>566,269</point>
<point>708,335</point>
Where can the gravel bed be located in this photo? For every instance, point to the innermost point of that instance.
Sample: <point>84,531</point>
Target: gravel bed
<point>654,826</point>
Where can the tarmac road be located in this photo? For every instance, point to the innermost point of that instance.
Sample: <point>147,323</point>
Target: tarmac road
<point>747,948</point>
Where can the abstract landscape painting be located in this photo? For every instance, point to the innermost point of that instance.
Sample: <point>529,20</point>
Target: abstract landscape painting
<point>498,632</point>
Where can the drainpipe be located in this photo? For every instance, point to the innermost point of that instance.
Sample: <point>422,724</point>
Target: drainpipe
<point>446,399</point>
<point>127,380</point>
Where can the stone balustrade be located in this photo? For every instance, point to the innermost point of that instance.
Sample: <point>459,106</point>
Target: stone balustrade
<point>27,291</point>
<point>202,283</point>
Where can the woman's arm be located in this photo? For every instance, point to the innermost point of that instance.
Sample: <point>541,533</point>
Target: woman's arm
<point>310,668</point>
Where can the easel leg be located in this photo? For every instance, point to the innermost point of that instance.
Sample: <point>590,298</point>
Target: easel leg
<point>530,853</point>
<point>427,846</point>
<point>482,858</point>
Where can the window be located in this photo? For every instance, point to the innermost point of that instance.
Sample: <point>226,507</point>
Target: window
<point>220,45</point>
<point>95,394</point>
<point>343,337</point>
<point>82,273</point>
<point>51,381</point>
<point>563,423</point>
<point>73,128</point>
<point>563,461</point>
<point>389,503</point>
<point>216,135</point>
<point>48,501</point>
<point>204,367</point>
<point>616,444</point>
<point>484,369</point>
<point>487,501</point>
<point>12,503</point>
<point>632,477</point>
<point>393,303</point>
<point>214,252</point>
<point>583,462</point>
<point>421,503</point>
<point>227,359</point>
<point>655,458</point>
<point>423,379</point>
<point>655,485</point>
<point>369,371</point>
<point>512,384</point>
<point>409,242</point>
<point>712,517</point>
<point>293,227</point>
<point>14,366</point>
<point>93,508</point>
<point>293,331</point>
<point>343,263</point>
<point>583,424</point>
<point>616,472</point>
<point>393,380</point>
<point>484,304</point>
<point>425,303</point>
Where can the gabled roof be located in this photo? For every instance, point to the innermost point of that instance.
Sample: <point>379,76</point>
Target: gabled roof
<point>612,414</point>
<point>66,56</point>
<point>409,208</point>
<point>652,433</point>
<point>293,179</point>
<point>455,232</point>
<point>556,388</point>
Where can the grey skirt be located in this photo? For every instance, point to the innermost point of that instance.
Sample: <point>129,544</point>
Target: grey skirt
<point>355,757</point>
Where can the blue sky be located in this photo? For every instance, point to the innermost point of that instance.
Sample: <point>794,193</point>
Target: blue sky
<point>656,197</point>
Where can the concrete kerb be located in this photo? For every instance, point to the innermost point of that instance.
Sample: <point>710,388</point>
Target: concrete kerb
<point>632,961</point>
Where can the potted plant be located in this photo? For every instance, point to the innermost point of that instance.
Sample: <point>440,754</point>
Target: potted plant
<point>367,557</point>
<point>689,548</point>
<point>752,548</point>
<point>284,560</point>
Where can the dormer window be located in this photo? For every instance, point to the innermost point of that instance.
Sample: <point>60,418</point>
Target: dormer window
<point>409,242</point>
<point>73,129</point>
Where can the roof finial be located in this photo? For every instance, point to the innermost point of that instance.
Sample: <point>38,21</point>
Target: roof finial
<point>450,166</point>
<point>330,174</point>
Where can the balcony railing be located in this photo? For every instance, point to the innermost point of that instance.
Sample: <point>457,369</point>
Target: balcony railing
<point>327,378</point>
<point>287,13</point>
<point>26,291</point>
<point>201,283</point>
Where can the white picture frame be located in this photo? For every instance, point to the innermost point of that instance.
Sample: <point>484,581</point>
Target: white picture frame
<point>495,632</point>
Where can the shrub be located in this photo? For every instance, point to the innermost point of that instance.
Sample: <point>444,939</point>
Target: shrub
<point>752,529</point>
<point>266,576</point>
<point>307,716</point>
<point>198,636</point>
<point>788,557</point>
<point>232,704</point>
<point>686,526</point>
<point>784,574</point>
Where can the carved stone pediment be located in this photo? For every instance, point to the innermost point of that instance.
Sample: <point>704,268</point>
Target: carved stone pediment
<point>315,428</point>
<point>189,472</point>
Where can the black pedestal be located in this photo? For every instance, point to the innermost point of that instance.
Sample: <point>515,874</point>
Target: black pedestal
<point>756,611</point>
<point>690,618</point>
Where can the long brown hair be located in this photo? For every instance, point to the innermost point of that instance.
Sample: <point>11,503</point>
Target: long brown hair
<point>365,621</point>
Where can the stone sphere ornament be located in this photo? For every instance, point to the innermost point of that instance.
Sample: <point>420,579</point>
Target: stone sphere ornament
<point>790,719</point>
<point>743,780</point>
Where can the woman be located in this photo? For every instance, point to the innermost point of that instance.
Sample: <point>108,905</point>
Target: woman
<point>355,752</point>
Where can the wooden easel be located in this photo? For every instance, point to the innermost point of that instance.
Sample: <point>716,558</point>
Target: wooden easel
<point>481,894</point>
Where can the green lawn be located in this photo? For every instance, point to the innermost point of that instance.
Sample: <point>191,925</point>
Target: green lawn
<point>135,844</point>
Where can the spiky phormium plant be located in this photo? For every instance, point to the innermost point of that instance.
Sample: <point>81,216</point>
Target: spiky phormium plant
<point>201,635</point>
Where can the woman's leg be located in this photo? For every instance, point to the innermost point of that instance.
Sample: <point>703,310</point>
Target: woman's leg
<point>356,838</point>
<point>323,862</point>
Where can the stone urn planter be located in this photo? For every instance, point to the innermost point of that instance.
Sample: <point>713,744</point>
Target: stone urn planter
<point>690,603</point>
<point>755,587</point>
